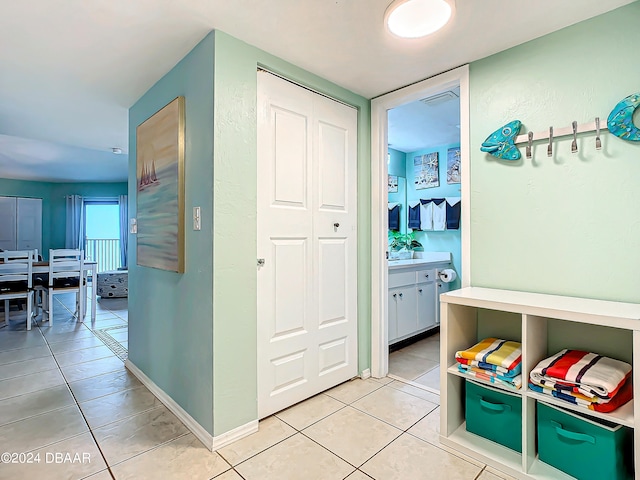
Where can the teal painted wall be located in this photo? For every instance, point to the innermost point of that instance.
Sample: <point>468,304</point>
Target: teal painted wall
<point>235,274</point>
<point>54,205</point>
<point>449,240</point>
<point>170,314</point>
<point>565,225</point>
<point>396,167</point>
<point>396,164</point>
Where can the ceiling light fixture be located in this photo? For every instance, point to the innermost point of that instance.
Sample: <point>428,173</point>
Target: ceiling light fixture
<point>116,150</point>
<point>417,18</point>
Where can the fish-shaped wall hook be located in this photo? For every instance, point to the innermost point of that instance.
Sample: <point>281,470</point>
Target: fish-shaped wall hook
<point>501,144</point>
<point>620,121</point>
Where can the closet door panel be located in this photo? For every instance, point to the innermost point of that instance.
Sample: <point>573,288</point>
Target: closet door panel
<point>29,230</point>
<point>8,223</point>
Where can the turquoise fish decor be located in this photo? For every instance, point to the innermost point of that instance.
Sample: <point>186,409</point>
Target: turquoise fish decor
<point>620,121</point>
<point>501,142</point>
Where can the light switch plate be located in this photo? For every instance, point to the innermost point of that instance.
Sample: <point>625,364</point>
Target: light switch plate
<point>133,226</point>
<point>196,218</point>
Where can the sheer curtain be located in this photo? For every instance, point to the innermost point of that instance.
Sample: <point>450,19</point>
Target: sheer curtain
<point>74,237</point>
<point>124,228</point>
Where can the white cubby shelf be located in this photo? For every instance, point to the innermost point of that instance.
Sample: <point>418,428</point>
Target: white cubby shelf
<point>544,324</point>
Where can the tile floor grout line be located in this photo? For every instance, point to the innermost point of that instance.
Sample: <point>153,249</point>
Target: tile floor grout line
<point>258,453</point>
<point>95,440</point>
<point>311,424</point>
<point>327,449</point>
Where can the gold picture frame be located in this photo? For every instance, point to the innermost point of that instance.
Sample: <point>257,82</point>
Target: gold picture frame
<point>160,149</point>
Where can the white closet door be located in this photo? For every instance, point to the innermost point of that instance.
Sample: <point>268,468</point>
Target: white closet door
<point>29,234</point>
<point>8,223</point>
<point>306,196</point>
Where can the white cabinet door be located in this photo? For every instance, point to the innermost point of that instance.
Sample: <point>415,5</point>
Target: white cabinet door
<point>306,233</point>
<point>393,314</point>
<point>8,223</point>
<point>426,305</point>
<point>29,232</point>
<point>407,315</point>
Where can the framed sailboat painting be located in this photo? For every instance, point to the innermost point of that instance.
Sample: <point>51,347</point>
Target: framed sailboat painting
<point>160,188</point>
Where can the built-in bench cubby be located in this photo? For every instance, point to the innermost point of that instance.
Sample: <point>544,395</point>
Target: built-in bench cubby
<point>545,325</point>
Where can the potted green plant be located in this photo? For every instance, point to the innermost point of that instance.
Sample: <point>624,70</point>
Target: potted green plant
<point>402,245</point>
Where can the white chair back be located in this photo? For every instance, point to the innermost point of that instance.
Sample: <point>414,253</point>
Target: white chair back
<point>65,263</point>
<point>17,266</point>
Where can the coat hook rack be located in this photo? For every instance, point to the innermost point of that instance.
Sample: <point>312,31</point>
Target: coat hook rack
<point>554,133</point>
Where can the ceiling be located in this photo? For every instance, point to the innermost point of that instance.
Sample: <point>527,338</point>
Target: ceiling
<point>424,124</point>
<point>69,70</point>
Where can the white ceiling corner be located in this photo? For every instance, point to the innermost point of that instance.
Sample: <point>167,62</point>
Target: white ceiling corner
<point>70,70</point>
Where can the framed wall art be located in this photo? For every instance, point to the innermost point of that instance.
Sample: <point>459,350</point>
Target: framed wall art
<point>160,188</point>
<point>425,171</point>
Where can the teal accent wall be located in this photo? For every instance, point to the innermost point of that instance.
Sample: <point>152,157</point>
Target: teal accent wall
<point>396,163</point>
<point>448,240</point>
<point>234,241</point>
<point>54,204</point>
<point>566,225</point>
<point>170,314</point>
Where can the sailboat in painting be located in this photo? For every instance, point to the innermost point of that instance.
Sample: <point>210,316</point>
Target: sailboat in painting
<point>148,176</point>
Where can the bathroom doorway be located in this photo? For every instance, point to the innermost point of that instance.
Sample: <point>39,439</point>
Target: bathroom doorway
<point>420,155</point>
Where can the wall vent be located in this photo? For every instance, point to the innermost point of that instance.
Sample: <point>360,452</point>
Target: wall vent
<point>439,98</point>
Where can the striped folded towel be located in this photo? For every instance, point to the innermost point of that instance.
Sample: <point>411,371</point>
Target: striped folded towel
<point>491,368</point>
<point>493,377</point>
<point>623,396</point>
<point>581,372</point>
<point>495,351</point>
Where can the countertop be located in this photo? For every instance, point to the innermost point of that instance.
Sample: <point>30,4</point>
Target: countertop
<point>427,258</point>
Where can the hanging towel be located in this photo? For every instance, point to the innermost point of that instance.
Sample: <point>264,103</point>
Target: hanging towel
<point>394,216</point>
<point>503,353</point>
<point>513,382</point>
<point>414,215</point>
<point>453,213</point>
<point>439,214</point>
<point>582,372</point>
<point>426,214</point>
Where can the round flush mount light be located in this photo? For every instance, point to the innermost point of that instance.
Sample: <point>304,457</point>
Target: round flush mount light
<point>417,18</point>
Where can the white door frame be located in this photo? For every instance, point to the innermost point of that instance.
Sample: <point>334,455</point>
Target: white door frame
<point>379,172</point>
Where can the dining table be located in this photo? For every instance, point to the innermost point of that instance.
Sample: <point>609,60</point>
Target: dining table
<point>90,266</point>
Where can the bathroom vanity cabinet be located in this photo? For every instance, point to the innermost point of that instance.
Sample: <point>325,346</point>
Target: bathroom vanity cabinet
<point>414,288</point>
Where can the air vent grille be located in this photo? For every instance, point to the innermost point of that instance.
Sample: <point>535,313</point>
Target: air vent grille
<point>439,98</point>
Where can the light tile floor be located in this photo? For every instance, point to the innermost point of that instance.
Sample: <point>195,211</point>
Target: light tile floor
<point>418,362</point>
<point>68,399</point>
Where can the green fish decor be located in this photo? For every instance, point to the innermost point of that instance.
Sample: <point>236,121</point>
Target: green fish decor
<point>620,121</point>
<point>501,144</point>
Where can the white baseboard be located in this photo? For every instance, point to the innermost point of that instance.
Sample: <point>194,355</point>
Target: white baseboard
<point>231,436</point>
<point>198,430</point>
<point>366,373</point>
<point>209,441</point>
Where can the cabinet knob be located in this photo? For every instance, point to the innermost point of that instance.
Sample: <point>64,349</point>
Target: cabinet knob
<point>420,290</point>
<point>426,275</point>
<point>400,295</point>
<point>395,295</point>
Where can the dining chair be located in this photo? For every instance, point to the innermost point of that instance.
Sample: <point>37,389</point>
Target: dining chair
<point>16,280</point>
<point>66,274</point>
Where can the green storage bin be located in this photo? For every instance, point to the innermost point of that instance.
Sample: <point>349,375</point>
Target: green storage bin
<point>582,446</point>
<point>494,414</point>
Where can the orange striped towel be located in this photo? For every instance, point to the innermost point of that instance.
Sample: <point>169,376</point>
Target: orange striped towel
<point>503,353</point>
